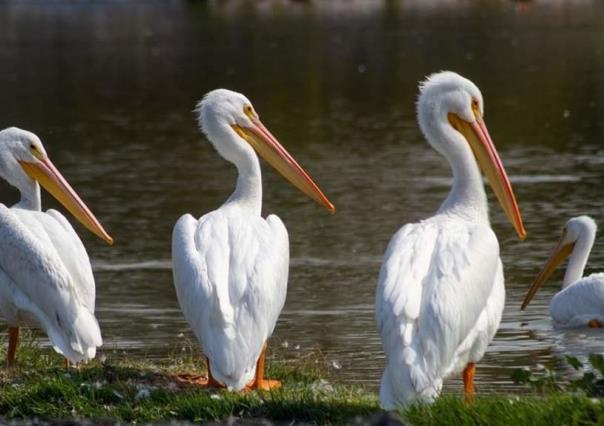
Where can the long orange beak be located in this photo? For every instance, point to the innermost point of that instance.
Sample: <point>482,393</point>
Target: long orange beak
<point>484,150</point>
<point>45,173</point>
<point>267,146</point>
<point>561,252</point>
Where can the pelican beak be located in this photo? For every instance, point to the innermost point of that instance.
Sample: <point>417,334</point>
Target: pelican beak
<point>267,146</point>
<point>47,175</point>
<point>480,141</point>
<point>561,252</point>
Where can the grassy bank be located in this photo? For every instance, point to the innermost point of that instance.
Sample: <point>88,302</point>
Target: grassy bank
<point>119,389</point>
<point>504,410</point>
<point>122,390</point>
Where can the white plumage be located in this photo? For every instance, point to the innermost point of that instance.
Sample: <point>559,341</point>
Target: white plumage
<point>45,275</point>
<point>430,328</point>
<point>441,292</point>
<point>231,279</point>
<point>580,303</point>
<point>231,266</point>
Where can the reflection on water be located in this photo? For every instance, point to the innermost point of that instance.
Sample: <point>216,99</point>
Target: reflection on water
<point>110,86</point>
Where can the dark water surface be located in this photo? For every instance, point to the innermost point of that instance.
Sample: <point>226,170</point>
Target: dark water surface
<point>110,86</point>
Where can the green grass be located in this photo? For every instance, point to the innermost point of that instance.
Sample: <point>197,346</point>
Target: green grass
<point>123,390</point>
<point>548,410</point>
<point>119,389</point>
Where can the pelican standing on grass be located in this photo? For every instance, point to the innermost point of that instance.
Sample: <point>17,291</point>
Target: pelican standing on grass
<point>45,274</point>
<point>441,291</point>
<point>231,266</point>
<point>580,303</point>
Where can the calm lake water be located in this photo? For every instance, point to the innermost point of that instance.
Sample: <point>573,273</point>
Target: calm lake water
<point>110,86</point>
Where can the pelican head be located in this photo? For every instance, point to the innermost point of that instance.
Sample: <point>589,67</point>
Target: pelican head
<point>450,113</point>
<point>24,161</point>
<point>578,231</point>
<point>232,125</point>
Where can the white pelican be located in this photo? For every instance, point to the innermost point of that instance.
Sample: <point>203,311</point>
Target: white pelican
<point>441,292</point>
<point>231,266</point>
<point>45,274</point>
<point>580,303</point>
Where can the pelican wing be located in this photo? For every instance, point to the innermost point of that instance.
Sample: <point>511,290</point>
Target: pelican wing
<point>230,274</point>
<point>73,254</point>
<point>47,275</point>
<point>580,302</point>
<point>433,287</point>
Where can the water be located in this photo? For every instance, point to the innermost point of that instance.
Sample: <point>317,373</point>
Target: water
<point>110,88</point>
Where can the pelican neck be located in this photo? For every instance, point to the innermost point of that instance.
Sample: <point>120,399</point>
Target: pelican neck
<point>467,198</point>
<point>578,258</point>
<point>30,197</point>
<point>247,195</point>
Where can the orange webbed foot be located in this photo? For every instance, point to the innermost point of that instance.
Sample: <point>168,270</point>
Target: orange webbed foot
<point>198,380</point>
<point>259,381</point>
<point>264,384</point>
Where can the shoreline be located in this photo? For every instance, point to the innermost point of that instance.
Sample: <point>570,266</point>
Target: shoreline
<point>40,390</point>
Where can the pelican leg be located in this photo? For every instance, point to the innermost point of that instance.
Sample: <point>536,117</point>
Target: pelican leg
<point>13,338</point>
<point>468,381</point>
<point>201,381</point>
<point>212,382</point>
<point>259,381</point>
<point>594,323</point>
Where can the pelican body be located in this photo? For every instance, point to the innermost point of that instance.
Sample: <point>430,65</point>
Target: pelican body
<point>46,279</point>
<point>440,291</point>
<point>231,265</point>
<point>580,303</point>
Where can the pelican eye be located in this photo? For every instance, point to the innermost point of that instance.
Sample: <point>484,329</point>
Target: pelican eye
<point>476,108</point>
<point>249,111</point>
<point>35,151</point>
